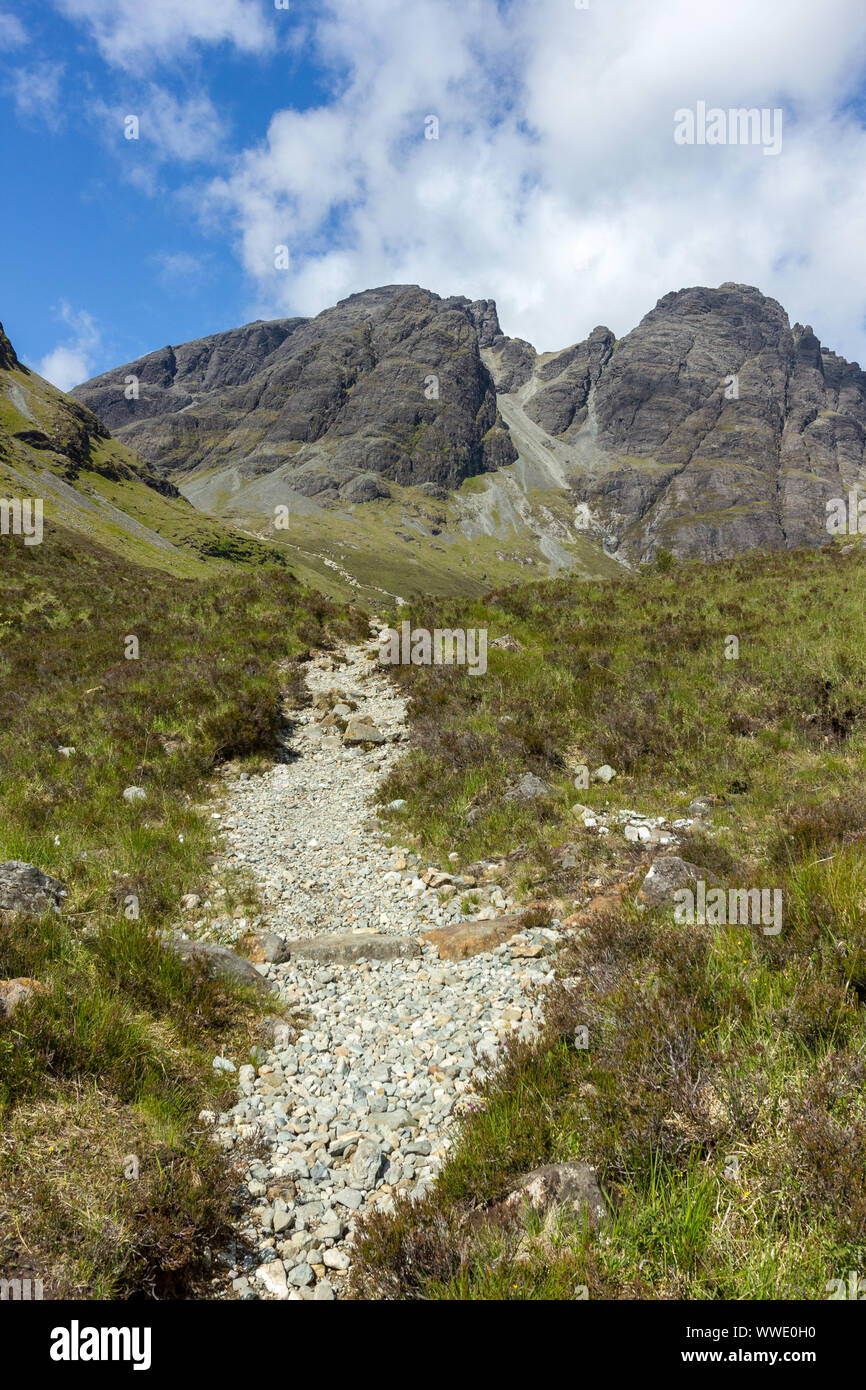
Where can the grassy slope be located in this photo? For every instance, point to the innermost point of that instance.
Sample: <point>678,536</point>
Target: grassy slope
<point>100,488</point>
<point>408,544</point>
<point>707,1044</point>
<point>114,1060</point>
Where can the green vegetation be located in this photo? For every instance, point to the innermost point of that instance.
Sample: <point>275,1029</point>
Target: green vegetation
<point>113,1059</point>
<point>409,543</point>
<point>721,1097</point>
<point>55,449</point>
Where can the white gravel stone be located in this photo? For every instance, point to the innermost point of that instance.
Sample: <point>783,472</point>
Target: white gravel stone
<point>358,1107</point>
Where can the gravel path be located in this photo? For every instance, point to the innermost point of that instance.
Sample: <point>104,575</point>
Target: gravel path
<point>356,1107</point>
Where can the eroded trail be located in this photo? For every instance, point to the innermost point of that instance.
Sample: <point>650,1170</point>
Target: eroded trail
<point>356,1108</point>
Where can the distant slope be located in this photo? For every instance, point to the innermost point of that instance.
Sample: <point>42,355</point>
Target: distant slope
<point>53,448</point>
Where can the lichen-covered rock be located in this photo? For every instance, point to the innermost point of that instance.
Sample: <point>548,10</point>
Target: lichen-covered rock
<point>16,992</point>
<point>264,947</point>
<point>666,875</point>
<point>529,788</point>
<point>572,1185</point>
<point>471,938</point>
<point>26,890</point>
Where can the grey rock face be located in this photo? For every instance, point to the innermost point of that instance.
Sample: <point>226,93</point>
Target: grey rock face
<point>27,890</point>
<point>713,428</point>
<point>389,384</point>
<point>561,407</point>
<point>723,429</point>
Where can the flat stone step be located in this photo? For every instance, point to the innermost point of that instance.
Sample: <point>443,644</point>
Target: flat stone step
<point>341,948</point>
<point>472,938</point>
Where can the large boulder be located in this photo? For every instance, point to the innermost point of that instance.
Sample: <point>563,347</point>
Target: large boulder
<point>557,1185</point>
<point>221,963</point>
<point>667,874</point>
<point>28,891</point>
<point>362,731</point>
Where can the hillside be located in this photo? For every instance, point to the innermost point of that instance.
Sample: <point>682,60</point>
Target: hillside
<point>53,448</point>
<point>702,1077</point>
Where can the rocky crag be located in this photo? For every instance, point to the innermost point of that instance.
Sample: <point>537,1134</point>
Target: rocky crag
<point>713,428</point>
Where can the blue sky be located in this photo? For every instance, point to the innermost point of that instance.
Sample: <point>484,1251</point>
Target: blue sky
<point>107,229</point>
<point>555,185</point>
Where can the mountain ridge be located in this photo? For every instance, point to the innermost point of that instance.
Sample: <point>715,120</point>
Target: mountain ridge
<point>714,427</point>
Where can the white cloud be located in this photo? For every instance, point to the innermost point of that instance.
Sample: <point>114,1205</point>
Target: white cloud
<point>556,186</point>
<point>180,271</point>
<point>133,33</point>
<point>73,361</point>
<point>12,31</point>
<point>36,93</point>
<point>187,130</point>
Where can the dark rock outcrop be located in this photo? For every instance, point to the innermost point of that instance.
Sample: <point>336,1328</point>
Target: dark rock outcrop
<point>387,385</point>
<point>28,891</point>
<point>722,429</point>
<point>560,407</point>
<point>713,428</point>
<point>8,359</point>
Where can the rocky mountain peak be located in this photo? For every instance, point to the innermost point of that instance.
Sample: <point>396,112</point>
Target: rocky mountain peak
<point>713,427</point>
<point>8,358</point>
<point>387,386</point>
